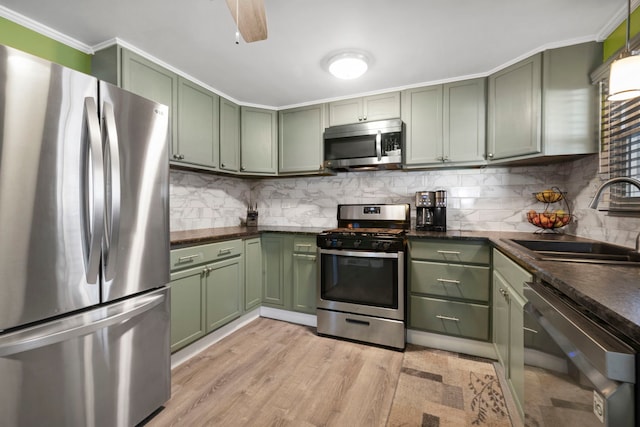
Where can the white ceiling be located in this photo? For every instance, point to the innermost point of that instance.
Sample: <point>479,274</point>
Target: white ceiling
<point>412,42</point>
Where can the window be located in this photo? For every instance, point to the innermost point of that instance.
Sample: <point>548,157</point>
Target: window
<point>620,149</point>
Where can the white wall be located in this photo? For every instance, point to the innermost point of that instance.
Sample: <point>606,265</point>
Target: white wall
<point>493,198</point>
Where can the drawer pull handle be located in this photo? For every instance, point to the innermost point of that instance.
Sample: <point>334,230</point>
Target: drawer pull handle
<point>225,251</point>
<point>449,252</point>
<point>533,331</point>
<point>357,322</point>
<point>453,319</point>
<point>301,245</point>
<point>188,258</point>
<point>453,282</point>
<point>309,257</point>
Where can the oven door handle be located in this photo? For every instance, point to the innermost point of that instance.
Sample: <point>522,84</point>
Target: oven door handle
<point>360,254</point>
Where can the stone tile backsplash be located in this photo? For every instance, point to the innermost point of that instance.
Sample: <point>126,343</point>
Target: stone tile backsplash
<point>492,198</point>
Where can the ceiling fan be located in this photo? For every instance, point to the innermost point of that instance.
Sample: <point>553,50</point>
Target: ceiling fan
<point>250,19</point>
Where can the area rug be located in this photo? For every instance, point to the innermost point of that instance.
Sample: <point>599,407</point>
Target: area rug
<point>442,389</point>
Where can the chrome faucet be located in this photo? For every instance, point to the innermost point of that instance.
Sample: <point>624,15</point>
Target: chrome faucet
<point>596,198</point>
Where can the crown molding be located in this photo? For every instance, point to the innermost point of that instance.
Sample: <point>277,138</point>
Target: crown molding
<point>616,20</point>
<point>44,30</point>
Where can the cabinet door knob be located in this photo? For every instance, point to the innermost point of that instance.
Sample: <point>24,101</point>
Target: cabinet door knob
<point>490,155</point>
<point>364,118</point>
<point>221,165</point>
<point>181,156</point>
<point>242,168</point>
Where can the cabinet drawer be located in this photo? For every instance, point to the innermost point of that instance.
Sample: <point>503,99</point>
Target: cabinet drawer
<point>194,255</point>
<point>443,250</point>
<point>450,280</point>
<point>449,317</point>
<point>512,273</point>
<point>305,245</point>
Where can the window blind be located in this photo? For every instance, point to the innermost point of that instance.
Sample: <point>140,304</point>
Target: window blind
<point>620,149</point>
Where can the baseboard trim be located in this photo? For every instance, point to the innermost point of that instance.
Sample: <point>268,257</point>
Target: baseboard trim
<point>182,355</point>
<point>454,344</point>
<point>289,316</point>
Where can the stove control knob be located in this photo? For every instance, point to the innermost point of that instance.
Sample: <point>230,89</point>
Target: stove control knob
<point>385,245</point>
<point>374,244</point>
<point>356,244</point>
<point>338,243</point>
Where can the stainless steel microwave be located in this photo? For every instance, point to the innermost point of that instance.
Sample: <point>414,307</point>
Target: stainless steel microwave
<point>374,145</point>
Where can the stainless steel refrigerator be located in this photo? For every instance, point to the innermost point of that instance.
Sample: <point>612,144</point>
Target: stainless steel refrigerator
<point>84,249</point>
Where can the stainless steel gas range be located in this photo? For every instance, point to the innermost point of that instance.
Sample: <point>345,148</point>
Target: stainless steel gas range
<point>361,280</point>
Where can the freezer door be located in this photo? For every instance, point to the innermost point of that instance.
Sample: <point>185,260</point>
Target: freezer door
<point>50,189</point>
<point>136,245</point>
<point>105,367</point>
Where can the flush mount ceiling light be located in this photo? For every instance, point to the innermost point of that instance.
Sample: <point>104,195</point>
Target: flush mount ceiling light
<point>624,75</point>
<point>348,65</point>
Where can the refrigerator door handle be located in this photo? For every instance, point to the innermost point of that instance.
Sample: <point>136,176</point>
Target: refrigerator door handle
<point>113,196</point>
<point>92,215</point>
<point>76,326</point>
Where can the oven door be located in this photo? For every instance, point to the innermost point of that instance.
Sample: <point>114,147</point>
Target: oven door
<point>362,282</point>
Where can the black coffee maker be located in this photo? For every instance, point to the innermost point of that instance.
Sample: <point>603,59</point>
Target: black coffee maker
<point>431,210</point>
<point>440,211</point>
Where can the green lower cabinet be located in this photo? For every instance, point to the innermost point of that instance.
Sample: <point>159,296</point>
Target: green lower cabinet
<point>252,273</point>
<point>274,271</point>
<point>508,322</point>
<point>290,267</point>
<point>187,307</point>
<point>450,317</point>
<point>305,276</point>
<point>224,295</point>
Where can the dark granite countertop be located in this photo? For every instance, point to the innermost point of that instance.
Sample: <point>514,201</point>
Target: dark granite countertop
<point>610,292</point>
<point>202,236</point>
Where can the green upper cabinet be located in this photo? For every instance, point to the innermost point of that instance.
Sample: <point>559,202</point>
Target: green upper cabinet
<point>141,76</point>
<point>515,108</point>
<point>258,141</point>
<point>445,124</point>
<point>368,108</point>
<point>300,139</point>
<point>198,125</point>
<point>464,117</point>
<point>229,136</point>
<point>422,115</point>
<point>544,105</point>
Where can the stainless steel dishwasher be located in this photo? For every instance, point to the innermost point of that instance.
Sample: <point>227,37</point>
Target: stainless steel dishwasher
<point>576,372</point>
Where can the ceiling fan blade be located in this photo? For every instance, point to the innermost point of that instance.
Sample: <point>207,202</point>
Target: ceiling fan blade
<point>253,20</point>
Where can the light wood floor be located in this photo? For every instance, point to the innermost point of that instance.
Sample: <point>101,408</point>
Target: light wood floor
<point>273,373</point>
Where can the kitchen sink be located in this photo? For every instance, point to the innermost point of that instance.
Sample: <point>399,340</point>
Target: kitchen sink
<point>567,251</point>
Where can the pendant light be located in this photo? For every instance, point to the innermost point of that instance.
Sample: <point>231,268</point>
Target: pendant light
<point>624,75</point>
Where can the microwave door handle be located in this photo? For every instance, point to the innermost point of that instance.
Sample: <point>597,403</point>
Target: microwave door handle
<point>379,145</point>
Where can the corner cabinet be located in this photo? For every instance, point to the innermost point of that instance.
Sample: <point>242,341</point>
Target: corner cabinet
<point>130,71</point>
<point>445,124</point>
<point>207,289</point>
<point>449,287</point>
<point>368,108</point>
<point>198,125</point>
<point>229,136</point>
<point>258,141</point>
<point>544,105</point>
<point>290,272</point>
<point>300,139</point>
<point>508,322</point>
